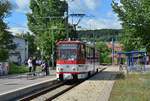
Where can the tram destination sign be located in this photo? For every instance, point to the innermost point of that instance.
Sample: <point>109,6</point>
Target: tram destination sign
<point>68,46</point>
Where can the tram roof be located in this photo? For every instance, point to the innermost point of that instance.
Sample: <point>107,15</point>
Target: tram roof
<point>69,42</point>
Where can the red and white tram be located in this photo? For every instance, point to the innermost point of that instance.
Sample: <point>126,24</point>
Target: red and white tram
<point>75,60</point>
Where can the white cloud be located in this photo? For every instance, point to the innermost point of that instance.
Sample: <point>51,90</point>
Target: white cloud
<point>111,21</point>
<point>15,30</point>
<point>112,15</point>
<point>92,4</point>
<point>76,6</point>
<point>119,3</point>
<point>22,6</point>
<point>82,6</point>
<point>101,23</point>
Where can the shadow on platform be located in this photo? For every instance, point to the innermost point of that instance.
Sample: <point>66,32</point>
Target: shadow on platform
<point>109,75</point>
<point>25,76</point>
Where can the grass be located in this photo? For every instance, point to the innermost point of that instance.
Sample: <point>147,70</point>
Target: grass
<point>135,87</point>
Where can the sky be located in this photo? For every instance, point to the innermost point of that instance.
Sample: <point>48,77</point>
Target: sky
<point>99,15</point>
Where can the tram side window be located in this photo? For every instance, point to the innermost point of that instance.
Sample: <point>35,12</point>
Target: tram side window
<point>89,54</point>
<point>82,52</point>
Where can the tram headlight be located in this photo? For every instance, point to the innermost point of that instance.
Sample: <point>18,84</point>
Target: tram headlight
<point>74,68</point>
<point>61,69</point>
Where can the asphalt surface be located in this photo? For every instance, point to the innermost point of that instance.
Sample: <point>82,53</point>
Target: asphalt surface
<point>13,82</point>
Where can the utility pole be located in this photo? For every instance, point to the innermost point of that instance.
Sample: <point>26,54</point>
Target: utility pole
<point>52,55</point>
<point>51,30</point>
<point>113,46</point>
<point>94,48</point>
<point>67,16</point>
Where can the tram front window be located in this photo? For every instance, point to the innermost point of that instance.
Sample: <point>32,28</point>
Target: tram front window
<point>68,55</point>
<point>68,52</point>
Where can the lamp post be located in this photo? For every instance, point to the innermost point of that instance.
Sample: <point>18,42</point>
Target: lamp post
<point>113,46</point>
<point>94,48</point>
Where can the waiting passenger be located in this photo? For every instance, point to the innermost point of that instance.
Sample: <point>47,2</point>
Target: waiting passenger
<point>30,64</point>
<point>1,70</point>
<point>45,67</point>
<point>34,64</point>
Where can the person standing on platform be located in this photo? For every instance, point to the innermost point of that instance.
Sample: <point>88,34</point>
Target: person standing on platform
<point>34,64</point>
<point>45,67</point>
<point>30,64</point>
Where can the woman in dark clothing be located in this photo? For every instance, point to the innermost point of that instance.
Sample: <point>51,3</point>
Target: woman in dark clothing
<point>45,68</point>
<point>34,64</point>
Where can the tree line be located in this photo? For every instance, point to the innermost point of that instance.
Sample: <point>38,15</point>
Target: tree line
<point>105,35</point>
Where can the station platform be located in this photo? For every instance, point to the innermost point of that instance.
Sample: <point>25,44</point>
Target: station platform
<point>13,83</point>
<point>97,88</point>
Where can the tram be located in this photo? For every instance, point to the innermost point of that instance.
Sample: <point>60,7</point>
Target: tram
<point>75,60</point>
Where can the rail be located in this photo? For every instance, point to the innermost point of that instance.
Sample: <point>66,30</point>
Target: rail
<point>53,91</point>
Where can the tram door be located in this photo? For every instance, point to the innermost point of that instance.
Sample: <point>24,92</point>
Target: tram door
<point>81,53</point>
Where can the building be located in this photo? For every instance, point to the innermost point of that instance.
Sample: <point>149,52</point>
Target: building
<point>115,47</point>
<point>20,54</point>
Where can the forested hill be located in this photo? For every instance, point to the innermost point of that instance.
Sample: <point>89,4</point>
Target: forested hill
<point>100,35</point>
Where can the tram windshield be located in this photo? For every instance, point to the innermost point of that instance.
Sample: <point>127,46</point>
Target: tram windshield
<point>67,51</point>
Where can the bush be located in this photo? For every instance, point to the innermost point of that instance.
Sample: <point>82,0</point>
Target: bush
<point>3,54</point>
<point>17,69</point>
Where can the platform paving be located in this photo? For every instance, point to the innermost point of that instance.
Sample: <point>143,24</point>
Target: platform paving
<point>97,88</point>
<point>14,82</point>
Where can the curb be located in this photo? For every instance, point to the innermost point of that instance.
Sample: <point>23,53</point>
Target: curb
<point>20,92</point>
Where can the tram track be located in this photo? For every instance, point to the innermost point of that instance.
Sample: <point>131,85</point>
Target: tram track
<point>52,92</point>
<point>58,91</point>
<point>41,92</point>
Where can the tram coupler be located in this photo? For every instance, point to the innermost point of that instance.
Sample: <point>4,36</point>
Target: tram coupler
<point>75,76</point>
<point>61,77</point>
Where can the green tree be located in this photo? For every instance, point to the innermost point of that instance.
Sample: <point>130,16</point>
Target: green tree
<point>135,17</point>
<point>104,52</point>
<point>6,42</point>
<point>45,15</point>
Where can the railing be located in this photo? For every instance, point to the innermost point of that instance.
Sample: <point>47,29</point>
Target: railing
<point>123,69</point>
<point>34,75</point>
